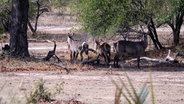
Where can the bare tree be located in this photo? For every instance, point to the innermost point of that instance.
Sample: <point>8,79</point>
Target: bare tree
<point>40,10</point>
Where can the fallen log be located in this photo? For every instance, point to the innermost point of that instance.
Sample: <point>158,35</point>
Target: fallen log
<point>167,59</point>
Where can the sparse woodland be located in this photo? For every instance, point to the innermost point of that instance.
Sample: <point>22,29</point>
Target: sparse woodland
<point>80,41</point>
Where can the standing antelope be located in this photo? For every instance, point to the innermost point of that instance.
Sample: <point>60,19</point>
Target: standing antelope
<point>103,50</point>
<point>76,47</point>
<point>128,48</point>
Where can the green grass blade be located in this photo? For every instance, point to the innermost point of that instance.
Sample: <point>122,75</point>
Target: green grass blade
<point>127,90</point>
<point>152,89</point>
<point>133,89</point>
<point>121,90</point>
<point>143,93</point>
<point>118,95</point>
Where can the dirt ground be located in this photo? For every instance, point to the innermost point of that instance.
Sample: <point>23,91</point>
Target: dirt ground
<point>94,86</point>
<point>89,84</point>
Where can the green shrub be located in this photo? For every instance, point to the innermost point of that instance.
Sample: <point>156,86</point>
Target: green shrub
<point>40,93</point>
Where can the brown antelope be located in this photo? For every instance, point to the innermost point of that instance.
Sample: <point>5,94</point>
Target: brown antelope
<point>126,49</point>
<point>103,50</point>
<point>76,47</point>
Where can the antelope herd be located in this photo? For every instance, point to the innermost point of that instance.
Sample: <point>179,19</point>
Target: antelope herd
<point>122,49</point>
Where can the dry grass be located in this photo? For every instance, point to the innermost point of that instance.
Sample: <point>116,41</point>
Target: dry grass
<point>35,64</point>
<point>12,64</point>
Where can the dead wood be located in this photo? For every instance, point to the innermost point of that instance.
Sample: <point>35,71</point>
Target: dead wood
<point>167,59</point>
<point>62,66</point>
<point>51,54</point>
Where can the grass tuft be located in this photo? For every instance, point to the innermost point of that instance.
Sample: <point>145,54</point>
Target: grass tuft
<point>131,95</point>
<point>42,94</point>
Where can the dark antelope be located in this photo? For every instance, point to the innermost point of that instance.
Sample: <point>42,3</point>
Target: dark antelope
<point>103,50</point>
<point>126,49</point>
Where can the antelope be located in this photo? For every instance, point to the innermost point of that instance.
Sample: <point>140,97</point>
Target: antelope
<point>103,50</point>
<point>76,47</point>
<point>126,49</point>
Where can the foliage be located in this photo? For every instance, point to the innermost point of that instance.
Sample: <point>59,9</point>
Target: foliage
<point>107,16</point>
<point>32,9</point>
<point>5,11</point>
<point>169,10</point>
<point>63,6</point>
<point>41,93</point>
<point>33,6</point>
<point>98,16</point>
<point>60,3</point>
<point>174,7</point>
<point>4,15</point>
<point>175,17</point>
<point>129,92</point>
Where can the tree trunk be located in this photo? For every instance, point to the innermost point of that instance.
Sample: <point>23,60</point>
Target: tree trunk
<point>176,30</point>
<point>176,37</point>
<point>153,34</point>
<point>176,26</point>
<point>18,28</point>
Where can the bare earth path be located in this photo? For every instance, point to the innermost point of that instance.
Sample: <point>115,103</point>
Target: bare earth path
<point>95,86</point>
